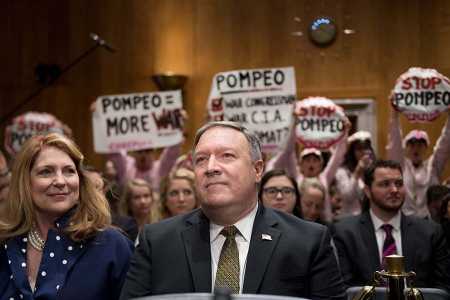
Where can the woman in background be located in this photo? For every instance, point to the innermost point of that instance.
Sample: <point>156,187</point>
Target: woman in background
<point>57,228</point>
<point>278,190</point>
<point>125,223</point>
<point>349,184</point>
<point>178,193</point>
<point>313,197</point>
<point>138,202</point>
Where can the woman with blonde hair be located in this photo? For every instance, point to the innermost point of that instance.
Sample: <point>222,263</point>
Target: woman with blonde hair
<point>57,227</point>
<point>178,193</point>
<point>312,200</point>
<point>138,202</point>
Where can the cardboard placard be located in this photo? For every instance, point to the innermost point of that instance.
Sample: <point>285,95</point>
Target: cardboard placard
<point>421,94</point>
<point>137,121</point>
<point>320,122</point>
<point>260,99</point>
<point>27,125</point>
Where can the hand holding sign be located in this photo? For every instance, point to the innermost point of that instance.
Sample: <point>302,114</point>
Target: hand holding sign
<point>320,122</point>
<point>421,94</point>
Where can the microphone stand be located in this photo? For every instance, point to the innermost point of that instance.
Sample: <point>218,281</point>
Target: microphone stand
<point>34,94</point>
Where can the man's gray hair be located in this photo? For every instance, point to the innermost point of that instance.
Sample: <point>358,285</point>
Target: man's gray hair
<point>253,140</point>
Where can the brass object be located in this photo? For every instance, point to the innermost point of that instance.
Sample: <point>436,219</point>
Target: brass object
<point>169,81</point>
<point>395,264</point>
<point>365,293</point>
<point>394,278</point>
<point>414,294</point>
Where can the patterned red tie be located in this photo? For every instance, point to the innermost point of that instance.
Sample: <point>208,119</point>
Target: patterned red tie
<point>389,247</point>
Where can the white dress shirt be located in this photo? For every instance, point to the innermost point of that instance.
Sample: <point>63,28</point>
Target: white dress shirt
<point>245,227</point>
<point>381,234</point>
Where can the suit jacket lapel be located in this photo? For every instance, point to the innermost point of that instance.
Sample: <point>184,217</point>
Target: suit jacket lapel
<point>198,251</point>
<point>370,240</point>
<point>261,249</point>
<point>407,242</point>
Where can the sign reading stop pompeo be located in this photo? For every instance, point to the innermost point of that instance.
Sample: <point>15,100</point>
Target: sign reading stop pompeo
<point>421,94</point>
<point>320,122</point>
<point>30,124</point>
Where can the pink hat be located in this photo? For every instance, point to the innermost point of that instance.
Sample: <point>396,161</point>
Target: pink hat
<point>308,151</point>
<point>418,135</point>
<point>360,136</point>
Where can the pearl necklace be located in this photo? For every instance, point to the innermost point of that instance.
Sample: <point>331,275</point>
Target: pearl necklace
<point>36,241</point>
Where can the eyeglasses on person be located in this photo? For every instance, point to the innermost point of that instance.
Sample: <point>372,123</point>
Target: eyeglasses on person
<point>273,191</point>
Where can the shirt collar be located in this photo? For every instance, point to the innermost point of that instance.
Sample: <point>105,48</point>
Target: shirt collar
<point>244,225</point>
<point>63,221</point>
<point>377,222</point>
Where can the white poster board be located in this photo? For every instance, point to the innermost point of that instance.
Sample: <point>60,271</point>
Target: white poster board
<point>320,122</point>
<point>421,94</point>
<point>262,100</point>
<point>137,121</point>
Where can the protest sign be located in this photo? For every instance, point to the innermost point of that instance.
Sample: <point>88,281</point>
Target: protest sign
<point>421,94</point>
<point>137,121</point>
<point>320,122</point>
<point>27,125</point>
<point>260,99</point>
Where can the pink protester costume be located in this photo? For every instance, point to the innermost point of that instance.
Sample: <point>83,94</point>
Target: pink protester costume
<point>418,179</point>
<point>126,166</point>
<point>351,190</point>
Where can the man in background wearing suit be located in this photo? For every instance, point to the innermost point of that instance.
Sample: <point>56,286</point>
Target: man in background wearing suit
<point>232,240</point>
<point>363,241</point>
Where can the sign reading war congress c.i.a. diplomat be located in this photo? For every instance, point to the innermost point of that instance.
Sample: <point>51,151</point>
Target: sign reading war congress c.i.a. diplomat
<point>260,99</point>
<point>27,125</point>
<point>421,94</point>
<point>320,122</point>
<point>137,121</point>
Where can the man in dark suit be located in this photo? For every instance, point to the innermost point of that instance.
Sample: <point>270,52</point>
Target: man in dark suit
<point>274,253</point>
<point>362,241</point>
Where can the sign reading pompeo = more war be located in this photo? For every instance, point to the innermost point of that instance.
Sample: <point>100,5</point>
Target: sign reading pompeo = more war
<point>137,121</point>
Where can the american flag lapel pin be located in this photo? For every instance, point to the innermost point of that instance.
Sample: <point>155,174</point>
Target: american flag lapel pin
<point>266,237</point>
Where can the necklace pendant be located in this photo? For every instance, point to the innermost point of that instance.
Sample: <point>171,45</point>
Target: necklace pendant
<point>35,239</point>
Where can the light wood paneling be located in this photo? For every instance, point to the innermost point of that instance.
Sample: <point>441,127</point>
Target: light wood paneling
<point>199,38</point>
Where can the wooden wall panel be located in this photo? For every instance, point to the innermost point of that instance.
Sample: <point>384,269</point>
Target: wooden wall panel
<point>199,38</point>
<point>174,48</point>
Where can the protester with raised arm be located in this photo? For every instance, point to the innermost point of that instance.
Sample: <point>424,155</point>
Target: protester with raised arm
<point>419,172</point>
<point>310,164</point>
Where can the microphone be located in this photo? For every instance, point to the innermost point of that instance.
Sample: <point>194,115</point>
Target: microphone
<point>101,42</point>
